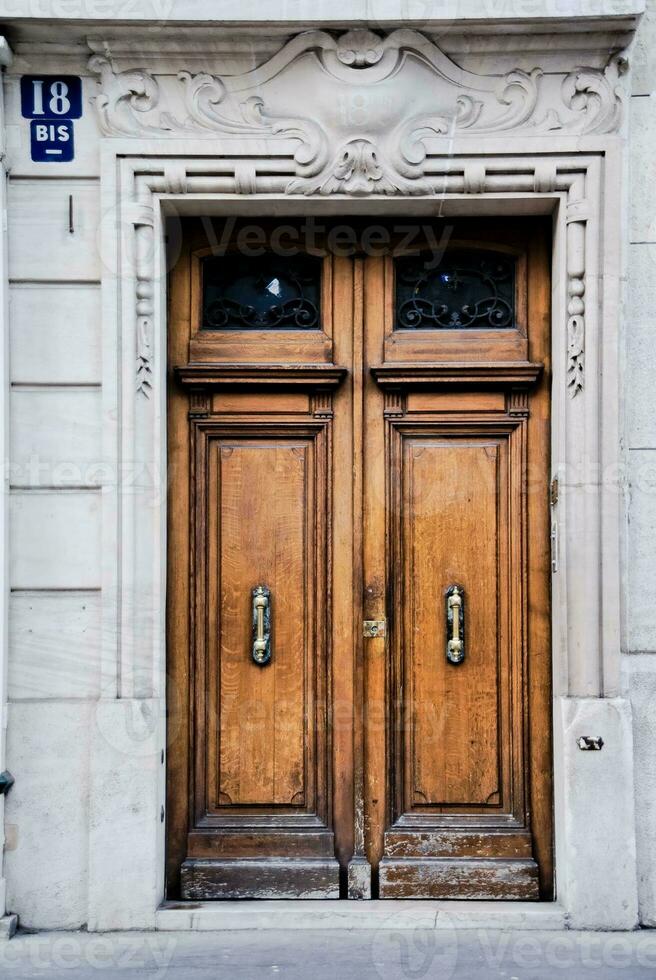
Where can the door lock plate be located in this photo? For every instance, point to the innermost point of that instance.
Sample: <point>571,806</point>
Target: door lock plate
<point>373,627</point>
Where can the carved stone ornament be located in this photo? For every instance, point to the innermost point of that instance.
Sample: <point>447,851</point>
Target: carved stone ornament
<point>355,136</point>
<point>596,96</point>
<point>361,115</point>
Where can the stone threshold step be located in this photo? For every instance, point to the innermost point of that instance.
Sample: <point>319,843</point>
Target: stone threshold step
<point>335,914</point>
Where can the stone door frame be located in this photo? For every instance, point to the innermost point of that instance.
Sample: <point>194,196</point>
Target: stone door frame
<point>578,181</point>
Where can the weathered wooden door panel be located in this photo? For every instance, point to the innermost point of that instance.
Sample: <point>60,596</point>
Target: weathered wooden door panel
<point>251,798</point>
<point>260,733</point>
<point>461,443</point>
<point>459,779</point>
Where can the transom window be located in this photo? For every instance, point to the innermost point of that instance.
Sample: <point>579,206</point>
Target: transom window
<point>264,292</point>
<point>462,290</point>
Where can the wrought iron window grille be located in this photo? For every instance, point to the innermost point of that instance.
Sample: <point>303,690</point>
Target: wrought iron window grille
<point>467,290</point>
<point>264,292</point>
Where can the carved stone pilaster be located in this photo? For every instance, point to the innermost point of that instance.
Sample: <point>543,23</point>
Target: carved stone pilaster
<point>577,215</point>
<point>142,217</point>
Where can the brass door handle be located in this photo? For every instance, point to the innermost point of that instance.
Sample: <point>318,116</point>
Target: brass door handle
<point>455,624</point>
<point>261,651</point>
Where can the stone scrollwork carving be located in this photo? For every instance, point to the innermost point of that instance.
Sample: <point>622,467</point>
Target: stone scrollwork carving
<point>124,99</point>
<point>359,48</point>
<point>127,97</point>
<point>596,96</point>
<point>358,170</point>
<point>355,137</point>
<point>518,90</point>
<point>203,94</point>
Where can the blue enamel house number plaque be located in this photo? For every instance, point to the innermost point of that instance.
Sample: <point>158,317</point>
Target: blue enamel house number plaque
<point>51,140</point>
<point>51,102</point>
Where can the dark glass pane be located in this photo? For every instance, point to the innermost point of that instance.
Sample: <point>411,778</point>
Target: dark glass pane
<point>264,292</point>
<point>472,289</point>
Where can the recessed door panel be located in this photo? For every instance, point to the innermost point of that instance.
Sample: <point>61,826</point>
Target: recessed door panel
<point>261,531</point>
<point>454,519</point>
<point>261,662</point>
<point>458,766</point>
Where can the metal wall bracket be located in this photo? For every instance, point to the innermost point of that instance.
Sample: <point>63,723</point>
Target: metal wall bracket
<point>6,782</point>
<point>590,743</point>
<point>553,491</point>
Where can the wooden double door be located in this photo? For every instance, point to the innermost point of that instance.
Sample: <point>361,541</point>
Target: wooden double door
<point>358,563</point>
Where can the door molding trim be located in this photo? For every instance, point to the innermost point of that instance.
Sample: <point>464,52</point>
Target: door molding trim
<point>153,185</point>
<point>520,374</point>
<point>576,179</point>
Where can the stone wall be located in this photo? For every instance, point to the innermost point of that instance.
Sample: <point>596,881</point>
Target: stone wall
<point>55,513</point>
<point>640,451</point>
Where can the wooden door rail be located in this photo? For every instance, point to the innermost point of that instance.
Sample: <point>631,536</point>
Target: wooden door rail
<point>297,376</point>
<point>449,373</point>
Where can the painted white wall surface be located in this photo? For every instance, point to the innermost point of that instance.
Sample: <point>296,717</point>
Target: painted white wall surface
<point>83,823</point>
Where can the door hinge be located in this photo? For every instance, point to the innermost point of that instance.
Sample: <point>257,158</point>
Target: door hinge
<point>373,627</point>
<point>554,546</point>
<point>554,491</point>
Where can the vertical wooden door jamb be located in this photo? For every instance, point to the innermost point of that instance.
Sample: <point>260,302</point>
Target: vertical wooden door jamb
<point>359,869</point>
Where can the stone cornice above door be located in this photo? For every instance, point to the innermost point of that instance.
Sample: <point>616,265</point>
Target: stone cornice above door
<point>361,111</point>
